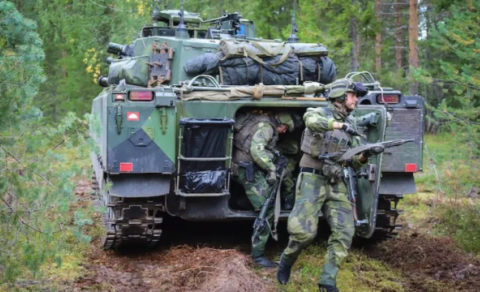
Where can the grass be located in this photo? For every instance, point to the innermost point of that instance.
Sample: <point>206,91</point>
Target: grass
<point>448,199</point>
<point>358,273</point>
<point>451,167</point>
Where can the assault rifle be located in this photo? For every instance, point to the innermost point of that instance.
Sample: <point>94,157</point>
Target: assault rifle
<point>348,173</point>
<point>273,192</point>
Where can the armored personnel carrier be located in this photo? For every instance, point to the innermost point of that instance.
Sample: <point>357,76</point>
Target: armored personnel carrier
<point>167,115</point>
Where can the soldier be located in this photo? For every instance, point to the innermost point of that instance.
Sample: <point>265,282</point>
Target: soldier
<point>255,142</point>
<point>319,186</point>
<point>289,148</point>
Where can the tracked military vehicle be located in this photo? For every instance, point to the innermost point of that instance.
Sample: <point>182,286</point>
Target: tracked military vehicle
<point>168,111</point>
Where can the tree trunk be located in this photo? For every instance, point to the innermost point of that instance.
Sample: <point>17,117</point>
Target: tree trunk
<point>354,37</point>
<point>64,73</point>
<point>413,41</point>
<point>359,46</point>
<point>220,7</point>
<point>378,38</point>
<point>398,34</point>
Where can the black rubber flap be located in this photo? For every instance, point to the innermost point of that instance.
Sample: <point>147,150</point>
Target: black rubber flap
<point>204,138</point>
<point>205,181</point>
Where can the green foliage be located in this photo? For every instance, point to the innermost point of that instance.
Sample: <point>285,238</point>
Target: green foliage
<point>75,35</point>
<point>36,182</point>
<point>328,22</point>
<point>457,41</point>
<point>37,187</point>
<point>21,72</point>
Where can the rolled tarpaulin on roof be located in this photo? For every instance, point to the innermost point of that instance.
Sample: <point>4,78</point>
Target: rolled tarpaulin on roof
<point>257,92</point>
<point>259,49</point>
<point>306,88</point>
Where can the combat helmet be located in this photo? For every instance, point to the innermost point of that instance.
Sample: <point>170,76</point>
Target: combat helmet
<point>292,120</point>
<point>339,89</point>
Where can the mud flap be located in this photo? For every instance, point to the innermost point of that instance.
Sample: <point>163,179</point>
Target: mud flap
<point>140,185</point>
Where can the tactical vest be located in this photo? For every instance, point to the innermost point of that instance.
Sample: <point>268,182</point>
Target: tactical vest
<point>315,144</point>
<point>245,127</point>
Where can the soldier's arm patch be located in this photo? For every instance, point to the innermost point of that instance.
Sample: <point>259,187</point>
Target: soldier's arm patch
<point>264,134</point>
<point>260,140</point>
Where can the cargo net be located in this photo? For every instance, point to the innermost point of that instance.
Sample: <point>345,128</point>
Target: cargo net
<point>268,63</point>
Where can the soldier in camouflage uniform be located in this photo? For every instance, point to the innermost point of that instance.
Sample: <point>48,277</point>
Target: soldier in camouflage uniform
<point>319,186</point>
<point>289,147</point>
<point>255,141</point>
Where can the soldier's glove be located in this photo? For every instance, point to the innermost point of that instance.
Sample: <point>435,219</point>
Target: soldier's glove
<point>271,177</point>
<point>373,151</point>
<point>349,130</point>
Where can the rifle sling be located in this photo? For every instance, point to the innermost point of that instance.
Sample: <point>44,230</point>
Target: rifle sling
<point>276,211</point>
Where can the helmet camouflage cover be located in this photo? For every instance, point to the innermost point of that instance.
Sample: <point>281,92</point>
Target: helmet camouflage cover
<point>340,87</point>
<point>292,120</point>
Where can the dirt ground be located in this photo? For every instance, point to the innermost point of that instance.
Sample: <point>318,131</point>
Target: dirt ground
<point>212,257</point>
<point>178,269</point>
<point>429,263</point>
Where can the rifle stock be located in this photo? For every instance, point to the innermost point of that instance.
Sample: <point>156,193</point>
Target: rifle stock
<point>261,219</point>
<point>349,176</point>
<point>342,157</point>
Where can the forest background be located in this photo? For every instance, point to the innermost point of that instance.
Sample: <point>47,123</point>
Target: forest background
<point>53,51</point>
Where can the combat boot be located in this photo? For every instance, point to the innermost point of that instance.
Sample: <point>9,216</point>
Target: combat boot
<point>284,270</point>
<point>327,288</point>
<point>264,262</point>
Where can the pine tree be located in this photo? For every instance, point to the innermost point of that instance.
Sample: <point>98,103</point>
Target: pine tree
<point>457,40</point>
<point>21,73</point>
<point>36,186</point>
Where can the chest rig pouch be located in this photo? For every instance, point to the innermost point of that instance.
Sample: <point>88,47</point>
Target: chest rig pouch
<point>316,144</point>
<point>312,142</point>
<point>334,141</point>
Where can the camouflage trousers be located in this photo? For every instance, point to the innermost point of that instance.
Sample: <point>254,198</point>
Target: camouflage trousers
<point>313,195</point>
<point>288,185</point>
<point>256,192</point>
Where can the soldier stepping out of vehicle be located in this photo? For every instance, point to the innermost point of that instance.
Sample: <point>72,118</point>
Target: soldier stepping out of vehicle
<point>319,186</point>
<point>289,147</point>
<point>254,166</point>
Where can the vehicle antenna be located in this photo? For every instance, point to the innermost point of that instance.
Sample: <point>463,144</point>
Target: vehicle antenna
<point>181,32</point>
<point>293,37</point>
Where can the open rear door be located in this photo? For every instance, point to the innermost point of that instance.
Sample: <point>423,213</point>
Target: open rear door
<point>367,186</point>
